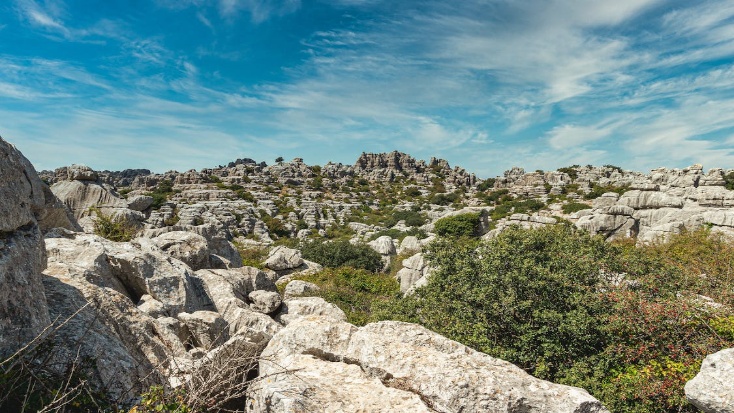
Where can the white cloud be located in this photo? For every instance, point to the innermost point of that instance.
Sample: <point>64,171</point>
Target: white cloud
<point>569,136</point>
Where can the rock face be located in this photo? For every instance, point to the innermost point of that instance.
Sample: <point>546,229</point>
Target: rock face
<point>712,390</point>
<point>23,311</point>
<point>282,258</point>
<point>188,247</point>
<point>399,361</point>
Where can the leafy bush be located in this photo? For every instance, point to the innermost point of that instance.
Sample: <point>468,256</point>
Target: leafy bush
<point>729,181</point>
<point>342,253</point>
<point>252,256</point>
<point>161,193</point>
<point>598,190</point>
<point>411,218</point>
<point>113,227</point>
<point>399,235</point>
<point>541,299</point>
<point>458,225</point>
<point>444,199</point>
<point>572,207</point>
<point>495,196</point>
<point>614,168</point>
<point>486,185</point>
<point>354,291</point>
<point>570,171</point>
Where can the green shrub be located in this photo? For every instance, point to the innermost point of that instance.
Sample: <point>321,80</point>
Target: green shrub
<point>572,207</point>
<point>161,193</point>
<point>614,168</point>
<point>729,181</point>
<point>342,253</point>
<point>495,196</point>
<point>598,190</point>
<point>538,298</point>
<point>113,227</point>
<point>252,256</point>
<point>486,185</point>
<point>458,225</point>
<point>411,218</point>
<point>570,171</point>
<point>399,235</point>
<point>355,291</point>
<point>443,199</point>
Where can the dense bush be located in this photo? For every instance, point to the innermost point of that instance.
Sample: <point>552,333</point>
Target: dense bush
<point>458,225</point>
<point>570,171</point>
<point>550,301</point>
<point>572,207</point>
<point>342,253</point>
<point>486,185</point>
<point>444,199</point>
<point>729,181</point>
<point>400,235</point>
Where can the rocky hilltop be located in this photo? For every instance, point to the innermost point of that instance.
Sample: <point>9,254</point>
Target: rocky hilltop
<point>147,270</point>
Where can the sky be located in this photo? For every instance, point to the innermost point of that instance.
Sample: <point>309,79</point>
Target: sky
<point>485,84</point>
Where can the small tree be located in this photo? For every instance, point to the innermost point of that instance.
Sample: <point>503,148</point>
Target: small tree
<point>279,160</point>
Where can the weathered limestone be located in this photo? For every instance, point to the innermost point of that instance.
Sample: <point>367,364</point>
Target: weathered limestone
<point>294,309</point>
<point>282,258</point>
<point>447,376</point>
<point>23,311</point>
<point>712,390</point>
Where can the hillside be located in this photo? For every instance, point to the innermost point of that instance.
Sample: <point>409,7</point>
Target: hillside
<point>393,284</point>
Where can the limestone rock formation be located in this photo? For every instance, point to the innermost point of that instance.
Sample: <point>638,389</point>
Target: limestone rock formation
<point>399,361</point>
<point>23,311</point>
<point>712,390</point>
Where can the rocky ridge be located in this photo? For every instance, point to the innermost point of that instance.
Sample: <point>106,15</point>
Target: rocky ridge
<point>165,307</point>
<point>176,298</point>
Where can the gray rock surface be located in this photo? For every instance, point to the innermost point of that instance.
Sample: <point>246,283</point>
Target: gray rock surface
<point>712,390</point>
<point>447,376</point>
<point>264,302</point>
<point>282,258</point>
<point>297,288</point>
<point>188,247</point>
<point>23,311</point>
<point>294,309</point>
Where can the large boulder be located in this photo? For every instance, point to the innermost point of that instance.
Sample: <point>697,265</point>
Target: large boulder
<point>80,196</point>
<point>282,258</point>
<point>712,390</point>
<point>23,311</point>
<point>188,247</point>
<point>127,268</point>
<point>447,376</point>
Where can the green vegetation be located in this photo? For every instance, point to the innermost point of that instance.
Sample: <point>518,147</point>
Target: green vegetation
<point>729,181</point>
<point>486,185</point>
<point>464,225</point>
<point>570,171</point>
<point>598,190</point>
<point>572,207</point>
<point>614,168</point>
<point>399,235</point>
<point>355,291</point>
<point>536,299</point>
<point>113,227</point>
<point>444,199</point>
<point>161,193</point>
<point>342,253</point>
<point>252,255</point>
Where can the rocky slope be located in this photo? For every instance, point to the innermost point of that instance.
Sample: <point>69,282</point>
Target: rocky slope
<point>175,303</point>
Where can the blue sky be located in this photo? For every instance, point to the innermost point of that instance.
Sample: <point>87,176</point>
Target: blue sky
<point>486,84</point>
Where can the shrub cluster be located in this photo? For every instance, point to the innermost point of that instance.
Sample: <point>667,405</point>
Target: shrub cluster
<point>572,207</point>
<point>342,253</point>
<point>113,227</point>
<point>464,225</point>
<point>622,322</point>
<point>355,291</point>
